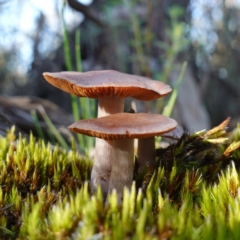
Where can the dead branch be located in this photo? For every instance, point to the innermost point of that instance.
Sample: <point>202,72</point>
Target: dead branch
<point>86,11</point>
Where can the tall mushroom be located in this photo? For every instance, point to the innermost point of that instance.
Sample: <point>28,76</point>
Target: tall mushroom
<point>110,88</point>
<point>123,128</point>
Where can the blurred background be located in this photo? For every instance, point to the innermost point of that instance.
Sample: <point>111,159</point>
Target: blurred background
<point>152,38</point>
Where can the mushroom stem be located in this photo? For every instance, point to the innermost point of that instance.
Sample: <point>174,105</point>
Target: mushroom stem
<point>110,105</point>
<point>104,149</point>
<point>122,167</point>
<point>102,165</point>
<point>146,154</point>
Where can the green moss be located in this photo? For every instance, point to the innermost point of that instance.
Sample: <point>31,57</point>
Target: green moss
<point>193,194</point>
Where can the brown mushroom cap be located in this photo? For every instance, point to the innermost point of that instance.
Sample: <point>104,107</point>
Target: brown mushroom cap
<point>125,125</point>
<point>175,134</point>
<point>105,83</point>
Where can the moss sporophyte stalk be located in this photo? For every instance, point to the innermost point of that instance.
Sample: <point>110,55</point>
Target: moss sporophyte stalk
<point>45,194</point>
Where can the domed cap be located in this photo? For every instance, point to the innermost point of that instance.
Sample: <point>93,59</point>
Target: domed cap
<point>125,125</point>
<point>108,83</point>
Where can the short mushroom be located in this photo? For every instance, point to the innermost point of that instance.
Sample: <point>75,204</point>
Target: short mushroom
<point>175,133</point>
<point>146,153</point>
<point>110,88</point>
<point>122,128</point>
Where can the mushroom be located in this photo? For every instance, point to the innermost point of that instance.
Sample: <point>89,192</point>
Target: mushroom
<point>122,128</point>
<point>110,88</point>
<point>146,153</point>
<point>175,133</point>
